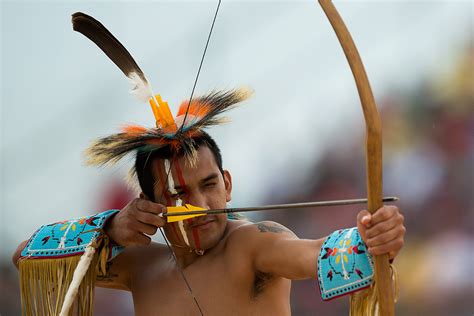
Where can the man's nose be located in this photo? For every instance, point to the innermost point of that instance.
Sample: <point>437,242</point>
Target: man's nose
<point>198,199</point>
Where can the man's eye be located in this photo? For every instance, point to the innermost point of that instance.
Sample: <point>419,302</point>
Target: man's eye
<point>210,184</point>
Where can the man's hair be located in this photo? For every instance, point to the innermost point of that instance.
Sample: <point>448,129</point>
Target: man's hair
<point>144,159</point>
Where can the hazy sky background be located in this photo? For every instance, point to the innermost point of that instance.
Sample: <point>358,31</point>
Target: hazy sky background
<point>59,91</point>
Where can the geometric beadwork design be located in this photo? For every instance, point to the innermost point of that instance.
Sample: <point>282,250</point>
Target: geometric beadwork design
<point>66,238</point>
<point>344,264</point>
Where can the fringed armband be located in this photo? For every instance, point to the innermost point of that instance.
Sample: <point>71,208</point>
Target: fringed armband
<point>344,264</point>
<point>61,261</point>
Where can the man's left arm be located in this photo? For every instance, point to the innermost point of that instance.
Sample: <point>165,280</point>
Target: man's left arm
<point>278,251</point>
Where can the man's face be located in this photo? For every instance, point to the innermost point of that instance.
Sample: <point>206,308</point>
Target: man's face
<point>202,185</point>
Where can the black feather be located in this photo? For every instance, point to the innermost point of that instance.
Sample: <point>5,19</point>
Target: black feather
<point>96,32</point>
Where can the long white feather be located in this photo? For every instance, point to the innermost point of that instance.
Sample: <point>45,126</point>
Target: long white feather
<point>141,89</point>
<point>79,274</point>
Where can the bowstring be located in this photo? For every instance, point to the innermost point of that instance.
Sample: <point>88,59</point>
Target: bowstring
<point>182,272</point>
<point>199,69</point>
<point>180,130</point>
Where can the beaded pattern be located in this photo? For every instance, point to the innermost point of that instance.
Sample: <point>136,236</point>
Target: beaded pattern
<point>344,264</point>
<point>66,238</point>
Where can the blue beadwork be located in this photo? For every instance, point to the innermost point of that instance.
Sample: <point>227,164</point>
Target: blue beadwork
<point>344,264</point>
<point>67,238</point>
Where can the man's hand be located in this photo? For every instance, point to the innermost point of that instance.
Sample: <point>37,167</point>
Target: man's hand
<point>383,232</point>
<point>134,222</point>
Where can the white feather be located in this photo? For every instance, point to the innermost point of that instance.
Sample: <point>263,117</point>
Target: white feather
<point>79,274</point>
<point>141,89</point>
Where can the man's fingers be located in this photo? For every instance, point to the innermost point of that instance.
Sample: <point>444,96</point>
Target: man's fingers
<point>384,214</point>
<point>363,222</point>
<point>136,220</point>
<point>379,229</point>
<point>145,228</point>
<point>135,237</point>
<point>149,207</point>
<point>364,217</point>
<point>386,237</point>
<point>150,219</point>
<point>391,247</point>
<point>384,226</point>
<point>140,239</point>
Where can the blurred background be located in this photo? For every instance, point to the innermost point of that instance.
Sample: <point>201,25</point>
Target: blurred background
<point>300,138</point>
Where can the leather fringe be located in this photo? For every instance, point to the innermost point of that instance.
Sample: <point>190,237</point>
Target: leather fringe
<point>365,303</point>
<point>45,282</point>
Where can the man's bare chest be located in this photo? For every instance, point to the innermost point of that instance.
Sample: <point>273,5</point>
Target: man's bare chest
<point>211,285</point>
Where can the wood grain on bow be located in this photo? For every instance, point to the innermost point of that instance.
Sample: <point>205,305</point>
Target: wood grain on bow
<point>373,149</point>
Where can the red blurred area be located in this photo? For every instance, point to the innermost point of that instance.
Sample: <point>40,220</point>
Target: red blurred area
<point>116,194</point>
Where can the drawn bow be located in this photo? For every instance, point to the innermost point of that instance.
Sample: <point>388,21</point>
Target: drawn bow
<point>373,146</point>
<point>373,149</point>
<point>372,119</point>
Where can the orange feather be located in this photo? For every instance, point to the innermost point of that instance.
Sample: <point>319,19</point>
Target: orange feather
<point>197,108</point>
<point>133,129</point>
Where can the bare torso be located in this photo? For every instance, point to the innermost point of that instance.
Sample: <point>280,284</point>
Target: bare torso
<point>223,281</point>
<point>246,272</point>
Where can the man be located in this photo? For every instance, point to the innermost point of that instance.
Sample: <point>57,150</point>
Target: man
<point>214,266</point>
<point>246,268</point>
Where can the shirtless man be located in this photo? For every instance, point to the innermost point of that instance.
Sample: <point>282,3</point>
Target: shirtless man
<point>241,268</point>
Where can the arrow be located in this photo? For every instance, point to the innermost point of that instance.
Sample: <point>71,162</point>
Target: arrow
<point>177,213</point>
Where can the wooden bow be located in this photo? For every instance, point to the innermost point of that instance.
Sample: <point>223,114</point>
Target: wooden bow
<point>373,149</point>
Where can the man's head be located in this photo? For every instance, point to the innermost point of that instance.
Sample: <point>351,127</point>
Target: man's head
<point>144,159</point>
<point>205,184</point>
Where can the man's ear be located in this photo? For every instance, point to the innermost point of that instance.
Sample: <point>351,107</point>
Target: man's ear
<point>228,185</point>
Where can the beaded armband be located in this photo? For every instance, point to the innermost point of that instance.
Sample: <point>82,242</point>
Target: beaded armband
<point>69,238</point>
<point>344,264</point>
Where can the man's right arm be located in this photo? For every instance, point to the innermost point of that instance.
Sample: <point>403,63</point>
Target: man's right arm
<point>117,274</point>
<point>17,253</point>
<point>128,228</point>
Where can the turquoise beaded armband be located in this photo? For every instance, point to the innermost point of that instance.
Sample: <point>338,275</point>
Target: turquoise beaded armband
<point>344,264</point>
<point>69,238</point>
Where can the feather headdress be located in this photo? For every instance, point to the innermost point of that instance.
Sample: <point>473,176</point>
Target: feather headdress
<point>193,115</point>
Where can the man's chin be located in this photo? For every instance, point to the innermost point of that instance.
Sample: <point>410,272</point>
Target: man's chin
<point>209,241</point>
<point>207,233</point>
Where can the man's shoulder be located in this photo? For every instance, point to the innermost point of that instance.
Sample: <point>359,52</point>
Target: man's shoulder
<point>244,228</point>
<point>245,233</point>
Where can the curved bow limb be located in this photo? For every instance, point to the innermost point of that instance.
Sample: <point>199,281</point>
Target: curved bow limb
<point>373,149</point>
